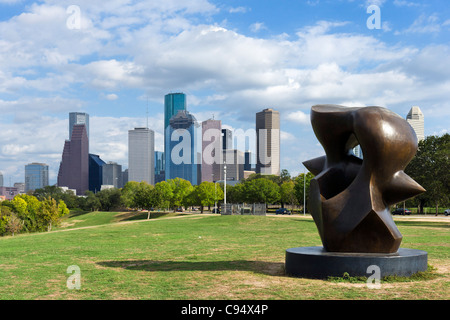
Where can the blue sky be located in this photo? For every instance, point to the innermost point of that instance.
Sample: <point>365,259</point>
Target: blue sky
<point>231,58</point>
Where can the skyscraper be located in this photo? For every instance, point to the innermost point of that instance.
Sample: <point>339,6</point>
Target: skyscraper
<point>268,142</point>
<point>95,173</point>
<point>227,139</point>
<point>417,121</point>
<point>211,150</point>
<point>1,179</point>
<point>141,155</point>
<point>112,174</point>
<point>78,118</point>
<point>183,160</point>
<point>36,176</point>
<point>160,166</point>
<point>173,102</point>
<point>74,168</point>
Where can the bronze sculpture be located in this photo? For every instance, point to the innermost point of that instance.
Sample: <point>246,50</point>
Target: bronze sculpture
<point>350,198</point>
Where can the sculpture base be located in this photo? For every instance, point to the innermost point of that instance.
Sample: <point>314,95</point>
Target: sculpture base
<point>316,263</point>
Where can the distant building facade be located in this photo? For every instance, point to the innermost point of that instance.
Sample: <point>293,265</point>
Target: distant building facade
<point>112,174</point>
<point>36,176</point>
<point>416,119</point>
<point>268,142</point>
<point>160,165</point>
<point>1,179</point>
<point>227,139</point>
<point>234,160</point>
<point>211,150</point>
<point>141,155</point>
<point>183,159</point>
<point>95,172</point>
<point>74,168</point>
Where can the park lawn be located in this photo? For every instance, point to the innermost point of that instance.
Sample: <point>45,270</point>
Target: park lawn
<point>198,256</point>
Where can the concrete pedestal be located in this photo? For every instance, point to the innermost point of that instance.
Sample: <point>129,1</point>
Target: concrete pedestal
<point>316,263</point>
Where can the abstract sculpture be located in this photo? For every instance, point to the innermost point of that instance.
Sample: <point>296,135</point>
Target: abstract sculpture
<point>350,198</point>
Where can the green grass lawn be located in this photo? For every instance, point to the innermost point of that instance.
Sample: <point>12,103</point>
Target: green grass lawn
<point>186,256</point>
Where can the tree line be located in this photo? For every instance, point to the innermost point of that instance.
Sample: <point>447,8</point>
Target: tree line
<point>175,193</point>
<point>26,213</point>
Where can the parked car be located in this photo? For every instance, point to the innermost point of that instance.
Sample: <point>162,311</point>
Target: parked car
<point>401,211</point>
<point>282,211</point>
<point>447,212</point>
<point>179,209</point>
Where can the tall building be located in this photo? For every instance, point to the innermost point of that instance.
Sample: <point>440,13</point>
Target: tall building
<point>160,166</point>
<point>141,155</point>
<point>417,121</point>
<point>95,173</point>
<point>36,176</point>
<point>173,102</point>
<point>78,118</point>
<point>183,159</point>
<point>112,174</point>
<point>211,150</point>
<point>74,168</point>
<point>268,142</point>
<point>1,179</point>
<point>227,139</point>
<point>235,164</point>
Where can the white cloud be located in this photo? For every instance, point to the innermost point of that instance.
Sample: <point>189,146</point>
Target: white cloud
<point>298,117</point>
<point>257,26</point>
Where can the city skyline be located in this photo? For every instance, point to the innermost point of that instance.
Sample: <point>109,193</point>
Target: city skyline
<point>231,60</point>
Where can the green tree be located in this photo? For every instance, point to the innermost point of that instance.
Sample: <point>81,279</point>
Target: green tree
<point>163,195</point>
<point>300,182</point>
<point>145,197</point>
<point>181,189</point>
<point>287,193</point>
<point>262,190</point>
<point>128,192</point>
<point>431,169</point>
<point>14,224</point>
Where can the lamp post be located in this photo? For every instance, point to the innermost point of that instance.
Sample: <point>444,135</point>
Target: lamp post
<point>304,192</point>
<point>225,187</point>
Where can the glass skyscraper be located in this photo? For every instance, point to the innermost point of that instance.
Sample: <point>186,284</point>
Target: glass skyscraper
<point>36,176</point>
<point>173,102</point>
<point>183,159</point>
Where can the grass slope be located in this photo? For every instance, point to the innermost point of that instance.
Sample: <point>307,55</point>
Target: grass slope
<point>195,257</point>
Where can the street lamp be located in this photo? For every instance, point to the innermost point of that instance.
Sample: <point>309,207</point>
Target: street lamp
<point>225,187</point>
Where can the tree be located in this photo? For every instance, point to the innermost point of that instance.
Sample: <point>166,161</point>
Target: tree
<point>91,202</point>
<point>145,197</point>
<point>163,194</point>
<point>208,193</point>
<point>430,168</point>
<point>128,192</point>
<point>299,187</point>
<point>181,189</point>
<point>262,191</point>
<point>14,224</point>
<point>287,193</point>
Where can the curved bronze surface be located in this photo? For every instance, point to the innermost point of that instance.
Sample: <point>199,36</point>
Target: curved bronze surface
<point>350,198</point>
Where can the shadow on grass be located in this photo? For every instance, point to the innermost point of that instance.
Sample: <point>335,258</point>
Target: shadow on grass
<point>267,268</point>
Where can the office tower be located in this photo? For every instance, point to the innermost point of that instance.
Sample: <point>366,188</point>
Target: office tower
<point>1,179</point>
<point>112,174</point>
<point>36,176</point>
<point>20,186</point>
<point>78,118</point>
<point>95,173</point>
<point>268,142</point>
<point>227,139</point>
<point>417,121</point>
<point>173,102</point>
<point>248,161</point>
<point>211,150</point>
<point>235,164</point>
<point>141,155</point>
<point>124,177</point>
<point>74,168</point>
<point>160,165</point>
<point>182,157</point>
